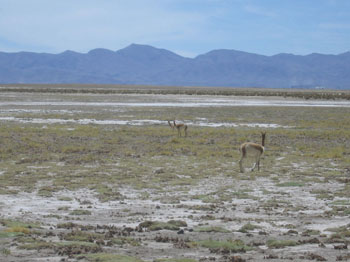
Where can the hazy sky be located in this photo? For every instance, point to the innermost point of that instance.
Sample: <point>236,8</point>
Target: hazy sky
<point>186,27</point>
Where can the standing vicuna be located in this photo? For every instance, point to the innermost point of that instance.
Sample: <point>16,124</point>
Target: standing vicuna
<point>179,127</point>
<point>252,149</point>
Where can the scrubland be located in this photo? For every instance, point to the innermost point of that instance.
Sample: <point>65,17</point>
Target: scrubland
<point>80,181</point>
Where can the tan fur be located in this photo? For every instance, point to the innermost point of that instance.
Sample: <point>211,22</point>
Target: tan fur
<point>179,127</point>
<point>249,149</point>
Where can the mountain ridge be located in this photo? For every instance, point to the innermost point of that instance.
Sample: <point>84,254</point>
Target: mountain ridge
<point>144,64</point>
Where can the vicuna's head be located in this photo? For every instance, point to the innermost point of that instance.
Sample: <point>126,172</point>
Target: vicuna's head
<point>170,124</point>
<point>263,135</point>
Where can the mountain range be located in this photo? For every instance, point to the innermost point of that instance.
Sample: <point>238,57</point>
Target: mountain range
<point>147,65</point>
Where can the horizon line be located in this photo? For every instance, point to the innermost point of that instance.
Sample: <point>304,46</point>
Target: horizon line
<point>145,45</point>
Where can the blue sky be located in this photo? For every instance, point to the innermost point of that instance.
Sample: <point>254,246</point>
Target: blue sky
<point>186,27</point>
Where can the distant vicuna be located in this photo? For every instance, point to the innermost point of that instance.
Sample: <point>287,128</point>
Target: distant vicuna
<point>179,127</point>
<point>171,125</point>
<point>252,149</point>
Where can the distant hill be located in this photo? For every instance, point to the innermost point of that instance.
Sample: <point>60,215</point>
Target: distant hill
<point>146,65</point>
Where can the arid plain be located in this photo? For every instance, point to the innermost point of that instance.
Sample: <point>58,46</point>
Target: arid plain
<point>95,173</point>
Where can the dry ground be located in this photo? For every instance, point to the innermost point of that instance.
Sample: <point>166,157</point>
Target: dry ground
<point>102,177</point>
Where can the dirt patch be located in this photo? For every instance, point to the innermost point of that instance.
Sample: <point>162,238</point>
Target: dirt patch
<point>74,191</point>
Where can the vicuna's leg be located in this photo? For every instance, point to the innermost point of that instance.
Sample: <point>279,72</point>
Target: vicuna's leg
<point>253,167</point>
<point>185,130</point>
<point>178,131</point>
<point>243,152</point>
<point>241,168</point>
<point>257,163</point>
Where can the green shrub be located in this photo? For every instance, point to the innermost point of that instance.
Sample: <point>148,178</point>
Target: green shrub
<point>281,243</point>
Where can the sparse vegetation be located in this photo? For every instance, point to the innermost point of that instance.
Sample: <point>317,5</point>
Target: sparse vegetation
<point>175,260</point>
<point>232,246</point>
<point>157,225</point>
<point>105,257</point>
<point>80,212</point>
<point>139,193</point>
<point>291,184</point>
<point>125,89</point>
<point>211,229</point>
<point>6,252</point>
<point>281,243</point>
<point>248,227</point>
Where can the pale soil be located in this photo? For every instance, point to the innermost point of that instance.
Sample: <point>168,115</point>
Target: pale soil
<point>279,212</point>
<point>274,222</point>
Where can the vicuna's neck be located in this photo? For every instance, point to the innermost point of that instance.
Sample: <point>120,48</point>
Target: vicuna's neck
<point>263,140</point>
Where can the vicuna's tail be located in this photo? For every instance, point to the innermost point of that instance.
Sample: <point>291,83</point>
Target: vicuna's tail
<point>243,151</point>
